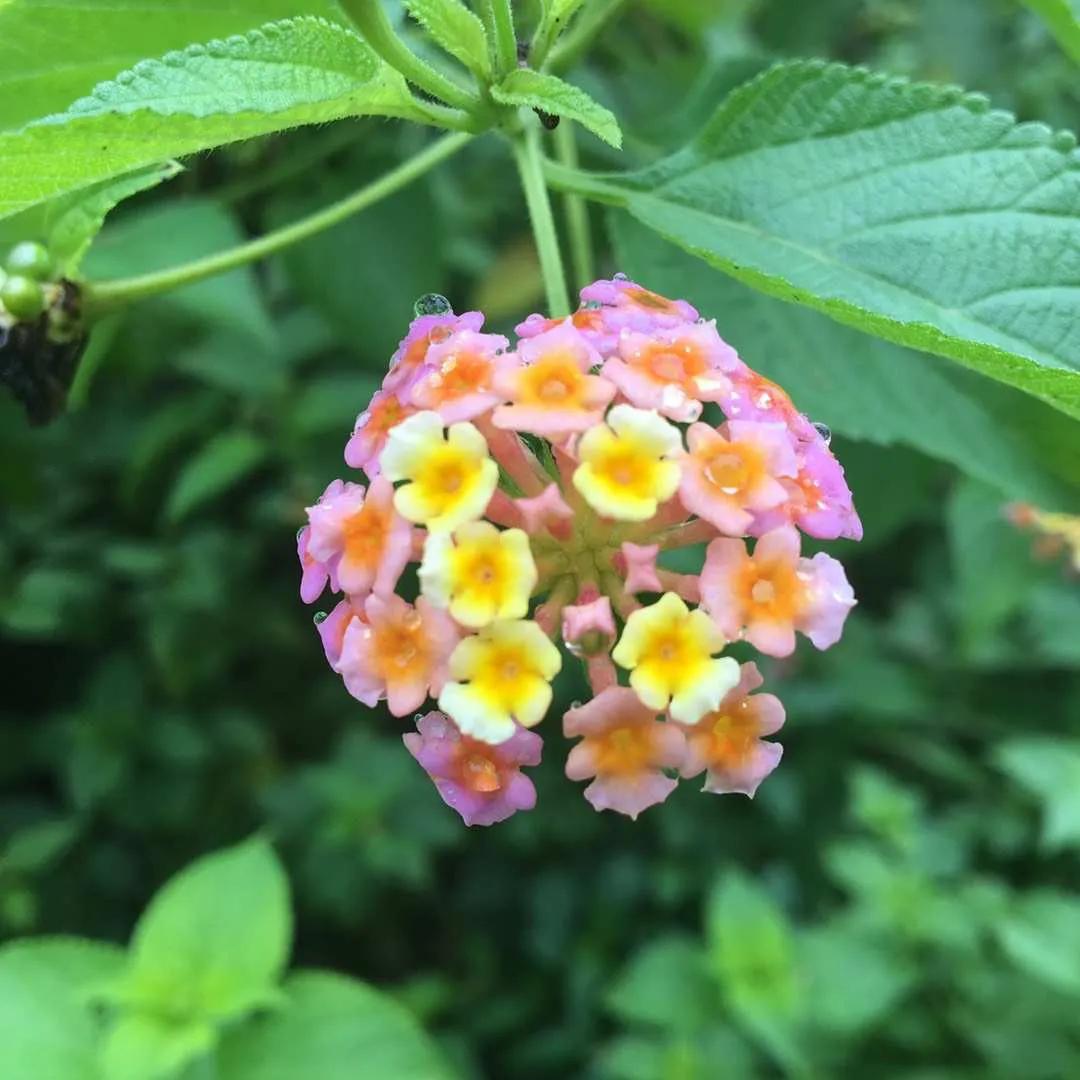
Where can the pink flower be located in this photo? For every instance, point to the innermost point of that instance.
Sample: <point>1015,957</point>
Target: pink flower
<point>483,783</point>
<point>769,595</point>
<point>332,627</point>
<point>460,373</point>
<point>751,396</point>
<point>397,652</point>
<point>673,370</point>
<point>734,471</point>
<point>625,748</point>
<point>822,504</point>
<point>640,563</point>
<point>362,536</point>
<point>409,361</point>
<point>590,321</point>
<point>314,573</point>
<point>728,742</point>
<point>642,309</point>
<point>588,626</point>
<point>545,512</point>
<point>548,385</point>
<point>386,410</point>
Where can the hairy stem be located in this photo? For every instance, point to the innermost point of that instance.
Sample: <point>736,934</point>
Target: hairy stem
<point>100,298</point>
<point>500,19</point>
<point>529,161</point>
<point>577,213</point>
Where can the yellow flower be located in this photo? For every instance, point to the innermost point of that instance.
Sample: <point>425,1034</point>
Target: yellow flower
<point>450,478</point>
<point>480,575</point>
<point>508,667</point>
<point>668,650</point>
<point>625,472</point>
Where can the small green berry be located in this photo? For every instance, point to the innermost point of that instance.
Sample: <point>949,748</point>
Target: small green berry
<point>22,296</point>
<point>30,259</point>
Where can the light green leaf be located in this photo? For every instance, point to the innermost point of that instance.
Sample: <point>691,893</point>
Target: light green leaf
<point>219,466</point>
<point>552,95</point>
<point>46,1029</point>
<point>214,941</point>
<point>666,984</point>
<point>332,1028</point>
<point>453,26</point>
<point>1042,937</point>
<point>50,57</point>
<point>1063,19</point>
<point>869,389</point>
<point>34,847</point>
<point>149,1047</point>
<point>68,224</point>
<point>297,71</point>
<point>1049,768</point>
<point>912,212</point>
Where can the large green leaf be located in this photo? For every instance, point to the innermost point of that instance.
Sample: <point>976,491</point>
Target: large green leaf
<point>1063,19</point>
<point>47,1031</point>
<point>910,211</point>
<point>52,54</point>
<point>297,71</point>
<point>870,389</point>
<point>214,941</point>
<point>332,1028</point>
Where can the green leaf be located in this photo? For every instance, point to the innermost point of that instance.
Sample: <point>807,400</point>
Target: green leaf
<point>219,466</point>
<point>552,95</point>
<point>48,58</point>
<point>68,224</point>
<point>332,1028</point>
<point>912,212</point>
<point>666,984</point>
<point>46,1029</point>
<point>148,1047</point>
<point>869,389</point>
<point>453,26</point>
<point>1049,768</point>
<point>1063,19</point>
<point>297,71</point>
<point>214,941</point>
<point>1042,937</point>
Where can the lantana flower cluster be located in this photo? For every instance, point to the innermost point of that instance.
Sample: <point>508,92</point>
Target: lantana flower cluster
<point>513,518</point>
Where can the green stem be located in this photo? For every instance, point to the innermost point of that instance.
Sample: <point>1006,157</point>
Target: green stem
<point>531,170</point>
<point>100,298</point>
<point>577,213</point>
<point>588,24</point>
<point>579,182</point>
<point>374,26</point>
<point>500,17</point>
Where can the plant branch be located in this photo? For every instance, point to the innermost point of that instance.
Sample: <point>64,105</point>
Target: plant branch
<point>100,298</point>
<point>500,17</point>
<point>577,213</point>
<point>530,166</point>
<point>578,38</point>
<point>370,18</point>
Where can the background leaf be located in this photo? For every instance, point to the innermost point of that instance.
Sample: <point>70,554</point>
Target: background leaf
<point>1063,19</point>
<point>1049,768</point>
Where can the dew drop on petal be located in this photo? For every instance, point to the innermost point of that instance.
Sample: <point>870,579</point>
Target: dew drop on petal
<point>320,617</point>
<point>361,420</point>
<point>405,655</point>
<point>592,305</point>
<point>575,648</point>
<point>693,411</point>
<point>672,397</point>
<point>824,431</point>
<point>763,400</point>
<point>620,276</point>
<point>300,531</point>
<point>412,619</point>
<point>432,304</point>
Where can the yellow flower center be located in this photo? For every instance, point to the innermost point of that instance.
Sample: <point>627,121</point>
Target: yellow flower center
<point>771,591</point>
<point>365,535</point>
<point>624,751</point>
<point>553,381</point>
<point>733,469</point>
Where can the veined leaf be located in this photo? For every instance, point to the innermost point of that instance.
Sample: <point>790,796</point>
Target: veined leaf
<point>222,463</point>
<point>869,389</point>
<point>453,26</point>
<point>552,95</point>
<point>49,58</point>
<point>298,71</point>
<point>67,224</point>
<point>1063,19</point>
<point>910,211</point>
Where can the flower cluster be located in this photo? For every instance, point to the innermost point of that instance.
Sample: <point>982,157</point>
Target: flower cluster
<point>537,490</point>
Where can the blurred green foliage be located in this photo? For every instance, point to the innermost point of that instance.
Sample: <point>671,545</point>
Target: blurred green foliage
<point>901,898</point>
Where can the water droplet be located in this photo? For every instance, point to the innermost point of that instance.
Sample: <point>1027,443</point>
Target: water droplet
<point>763,400</point>
<point>575,648</point>
<point>620,276</point>
<point>449,364</point>
<point>432,304</point>
<point>575,704</point>
<point>672,397</point>
<point>730,490</point>
<point>320,617</point>
<point>361,421</point>
<point>706,384</point>
<point>499,352</point>
<point>592,305</point>
<point>692,411</point>
<point>824,431</point>
<point>300,531</point>
<point>411,620</point>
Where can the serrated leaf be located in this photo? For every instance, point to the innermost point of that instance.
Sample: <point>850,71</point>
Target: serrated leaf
<point>288,73</point>
<point>453,26</point>
<point>332,1028</point>
<point>870,389</point>
<point>219,466</point>
<point>214,941</point>
<point>68,224</point>
<point>47,1030</point>
<point>551,95</point>
<point>1063,19</point>
<point>49,58</point>
<point>1048,768</point>
<point>912,212</point>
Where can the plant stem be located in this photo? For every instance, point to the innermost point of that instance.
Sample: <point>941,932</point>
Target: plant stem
<point>501,20</point>
<point>588,24</point>
<point>375,28</point>
<point>102,297</point>
<point>577,213</point>
<point>531,170</point>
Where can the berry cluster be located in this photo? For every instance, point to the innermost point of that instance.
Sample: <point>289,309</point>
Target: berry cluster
<point>538,488</point>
